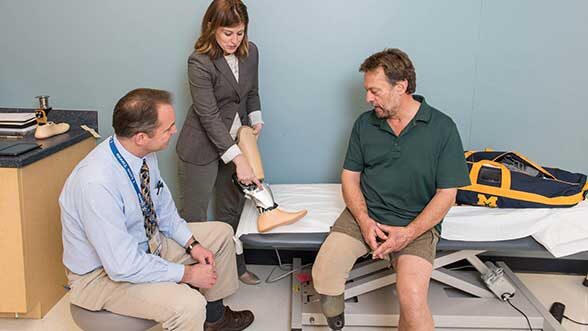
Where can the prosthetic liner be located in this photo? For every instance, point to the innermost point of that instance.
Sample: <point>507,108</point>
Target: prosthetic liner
<point>270,216</point>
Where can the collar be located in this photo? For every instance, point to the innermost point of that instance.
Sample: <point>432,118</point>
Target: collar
<point>424,112</point>
<point>134,162</point>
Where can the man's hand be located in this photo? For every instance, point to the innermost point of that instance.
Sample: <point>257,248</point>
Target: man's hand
<point>202,255</point>
<point>370,232</point>
<point>200,275</point>
<point>257,129</point>
<point>398,238</point>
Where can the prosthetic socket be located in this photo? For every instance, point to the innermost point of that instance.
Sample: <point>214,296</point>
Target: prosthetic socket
<point>270,216</point>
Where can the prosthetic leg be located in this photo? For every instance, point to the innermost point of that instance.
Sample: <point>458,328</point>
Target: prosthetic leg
<point>333,307</point>
<point>47,129</point>
<point>270,216</point>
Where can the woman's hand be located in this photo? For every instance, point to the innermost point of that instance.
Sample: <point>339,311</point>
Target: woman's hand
<point>257,128</point>
<point>245,173</point>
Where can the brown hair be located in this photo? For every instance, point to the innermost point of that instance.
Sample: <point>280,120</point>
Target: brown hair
<point>222,13</point>
<point>137,111</point>
<point>396,64</point>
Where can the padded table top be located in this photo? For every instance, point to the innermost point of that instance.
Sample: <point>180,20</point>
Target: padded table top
<point>313,241</point>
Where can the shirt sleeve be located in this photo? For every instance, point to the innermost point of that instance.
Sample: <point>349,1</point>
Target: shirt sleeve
<point>255,117</point>
<point>103,219</point>
<point>231,153</point>
<point>452,171</point>
<point>169,221</point>
<point>354,160</point>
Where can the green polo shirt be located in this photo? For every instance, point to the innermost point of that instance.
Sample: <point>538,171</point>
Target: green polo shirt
<point>400,174</point>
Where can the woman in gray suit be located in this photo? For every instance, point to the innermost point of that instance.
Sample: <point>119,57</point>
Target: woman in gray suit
<point>222,72</point>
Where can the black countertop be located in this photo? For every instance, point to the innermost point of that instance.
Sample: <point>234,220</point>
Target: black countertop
<point>49,146</point>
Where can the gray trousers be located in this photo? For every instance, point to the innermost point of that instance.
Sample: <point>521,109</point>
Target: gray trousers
<point>198,183</point>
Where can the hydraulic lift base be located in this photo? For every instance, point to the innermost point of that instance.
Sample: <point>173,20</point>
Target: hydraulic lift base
<point>372,304</point>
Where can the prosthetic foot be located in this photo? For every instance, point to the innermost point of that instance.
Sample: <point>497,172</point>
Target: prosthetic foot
<point>50,129</point>
<point>270,216</point>
<point>47,129</point>
<point>333,308</point>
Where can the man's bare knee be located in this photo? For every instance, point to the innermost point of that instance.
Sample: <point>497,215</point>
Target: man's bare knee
<point>412,288</point>
<point>412,296</point>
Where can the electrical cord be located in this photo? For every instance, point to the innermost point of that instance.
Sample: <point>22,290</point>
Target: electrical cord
<point>558,309</point>
<point>573,321</point>
<point>284,267</point>
<point>506,297</point>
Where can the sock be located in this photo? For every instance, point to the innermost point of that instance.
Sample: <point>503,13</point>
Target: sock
<point>215,310</point>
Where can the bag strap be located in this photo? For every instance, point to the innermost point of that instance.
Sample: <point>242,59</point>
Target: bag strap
<point>504,172</point>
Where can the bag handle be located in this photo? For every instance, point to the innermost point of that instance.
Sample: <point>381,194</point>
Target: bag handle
<point>504,172</point>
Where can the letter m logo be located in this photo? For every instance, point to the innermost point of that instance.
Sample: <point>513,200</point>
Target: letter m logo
<point>487,202</point>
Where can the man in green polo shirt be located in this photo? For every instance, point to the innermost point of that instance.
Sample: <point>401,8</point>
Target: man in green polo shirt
<point>403,166</point>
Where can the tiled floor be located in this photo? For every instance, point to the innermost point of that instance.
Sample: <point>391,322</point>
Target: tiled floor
<point>270,303</point>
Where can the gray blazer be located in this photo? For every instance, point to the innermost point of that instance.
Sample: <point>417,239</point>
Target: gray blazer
<point>216,98</point>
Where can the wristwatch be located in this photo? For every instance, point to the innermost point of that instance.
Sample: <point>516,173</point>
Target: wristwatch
<point>193,244</point>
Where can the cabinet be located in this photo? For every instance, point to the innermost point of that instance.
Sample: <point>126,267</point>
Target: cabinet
<point>32,274</point>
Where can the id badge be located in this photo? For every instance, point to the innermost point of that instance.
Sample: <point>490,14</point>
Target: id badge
<point>155,243</point>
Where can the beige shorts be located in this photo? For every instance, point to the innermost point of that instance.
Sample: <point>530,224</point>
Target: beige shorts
<point>425,246</point>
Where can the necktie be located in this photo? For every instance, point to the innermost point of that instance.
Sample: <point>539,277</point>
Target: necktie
<point>148,208</point>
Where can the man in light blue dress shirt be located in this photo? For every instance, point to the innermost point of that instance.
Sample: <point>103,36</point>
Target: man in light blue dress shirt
<point>126,249</point>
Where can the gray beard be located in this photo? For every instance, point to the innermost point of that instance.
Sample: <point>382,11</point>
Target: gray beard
<point>385,114</point>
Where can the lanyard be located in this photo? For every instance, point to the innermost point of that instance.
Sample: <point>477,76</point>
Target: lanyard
<point>125,166</point>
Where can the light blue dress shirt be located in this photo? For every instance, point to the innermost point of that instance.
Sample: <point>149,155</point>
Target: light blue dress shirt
<point>103,225</point>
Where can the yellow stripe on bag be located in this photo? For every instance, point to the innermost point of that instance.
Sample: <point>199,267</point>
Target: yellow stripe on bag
<point>526,196</point>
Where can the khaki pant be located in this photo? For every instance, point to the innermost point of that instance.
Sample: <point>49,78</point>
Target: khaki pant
<point>176,306</point>
<point>345,245</point>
